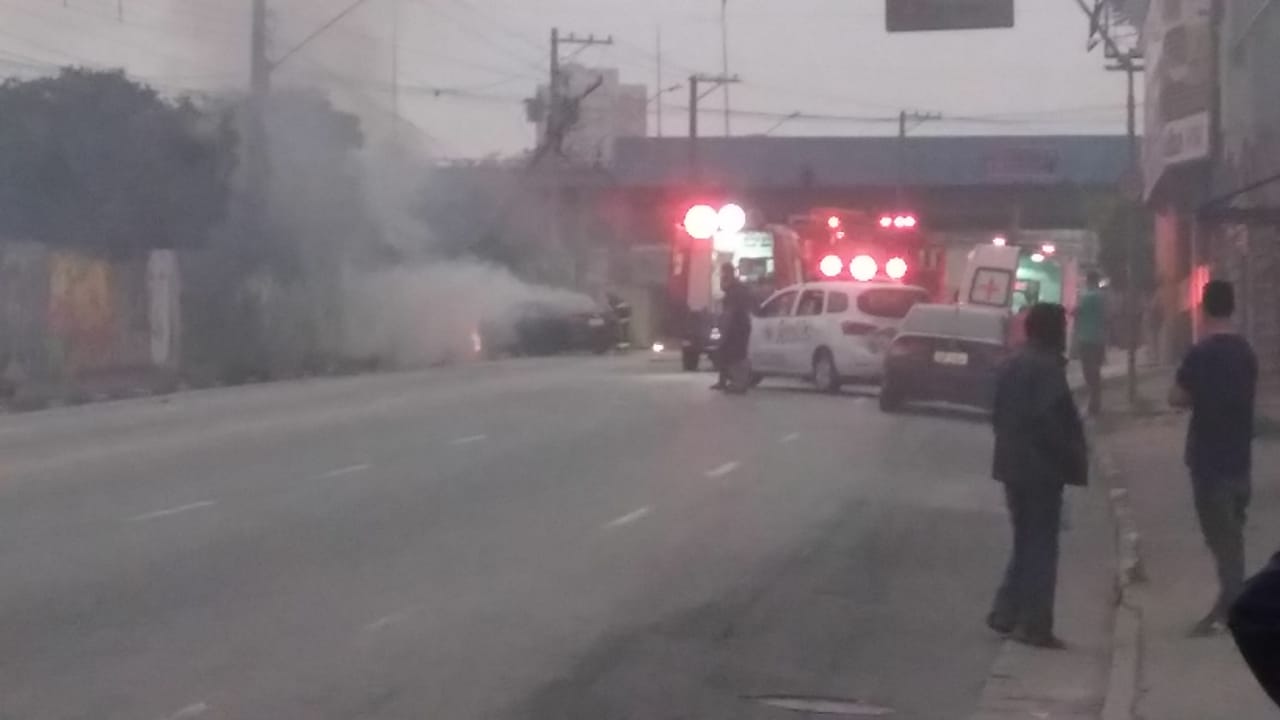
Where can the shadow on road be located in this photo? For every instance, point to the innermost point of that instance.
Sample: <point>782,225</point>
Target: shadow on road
<point>948,412</point>
<point>867,391</point>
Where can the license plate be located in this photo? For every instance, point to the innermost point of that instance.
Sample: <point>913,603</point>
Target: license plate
<point>595,322</point>
<point>951,358</point>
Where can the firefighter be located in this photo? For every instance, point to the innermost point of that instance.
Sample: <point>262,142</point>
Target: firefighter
<point>735,328</point>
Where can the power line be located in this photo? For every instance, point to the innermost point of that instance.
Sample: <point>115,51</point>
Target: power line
<point>495,22</point>
<point>317,33</point>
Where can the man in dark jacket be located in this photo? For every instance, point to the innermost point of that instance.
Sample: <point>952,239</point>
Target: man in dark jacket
<point>1039,449</point>
<point>735,331</point>
<point>1255,623</point>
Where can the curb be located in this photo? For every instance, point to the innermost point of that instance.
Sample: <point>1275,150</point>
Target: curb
<point>1124,677</point>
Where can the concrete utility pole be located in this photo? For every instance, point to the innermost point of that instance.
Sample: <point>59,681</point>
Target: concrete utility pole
<point>1130,63</point>
<point>724,61</point>
<point>256,168</point>
<point>903,118</point>
<point>657,88</point>
<point>395,70</point>
<point>561,115</point>
<point>560,109</point>
<point>715,81</point>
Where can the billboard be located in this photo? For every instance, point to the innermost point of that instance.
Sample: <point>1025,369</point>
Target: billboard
<point>923,15</point>
<point>1178,38</point>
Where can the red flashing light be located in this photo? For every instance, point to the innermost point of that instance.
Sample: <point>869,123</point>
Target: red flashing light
<point>909,221</point>
<point>701,222</point>
<point>886,221</point>
<point>831,266</point>
<point>833,222</point>
<point>896,268</point>
<point>863,268</point>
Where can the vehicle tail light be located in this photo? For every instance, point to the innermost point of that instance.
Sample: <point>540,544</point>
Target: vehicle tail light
<point>903,347</point>
<point>850,327</point>
<point>863,267</point>
<point>886,221</point>
<point>831,266</point>
<point>896,268</point>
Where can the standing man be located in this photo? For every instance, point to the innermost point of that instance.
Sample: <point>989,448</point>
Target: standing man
<point>1217,381</point>
<point>1090,338</point>
<point>735,331</point>
<point>1039,449</point>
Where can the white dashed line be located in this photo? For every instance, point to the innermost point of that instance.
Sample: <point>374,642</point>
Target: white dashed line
<point>469,439</point>
<point>190,711</point>
<point>723,470</point>
<point>172,511</point>
<point>789,438</point>
<point>349,470</point>
<point>389,620</point>
<point>628,518</point>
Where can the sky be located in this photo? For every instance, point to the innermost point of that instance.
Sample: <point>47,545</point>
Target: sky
<point>465,65</point>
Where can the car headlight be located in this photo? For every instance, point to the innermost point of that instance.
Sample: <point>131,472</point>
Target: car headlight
<point>715,333</point>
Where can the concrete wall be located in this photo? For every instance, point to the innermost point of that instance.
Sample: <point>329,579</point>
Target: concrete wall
<point>1250,150</point>
<point>67,317</point>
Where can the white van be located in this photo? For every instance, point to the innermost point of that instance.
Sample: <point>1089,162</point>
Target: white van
<point>829,332</point>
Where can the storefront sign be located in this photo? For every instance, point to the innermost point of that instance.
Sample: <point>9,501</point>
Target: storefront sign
<point>1179,60</point>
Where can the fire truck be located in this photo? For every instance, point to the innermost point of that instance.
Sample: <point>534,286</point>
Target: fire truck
<point>710,235</point>
<point>843,244</point>
<point>826,243</point>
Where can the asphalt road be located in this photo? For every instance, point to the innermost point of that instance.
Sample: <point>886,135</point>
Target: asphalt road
<point>571,538</point>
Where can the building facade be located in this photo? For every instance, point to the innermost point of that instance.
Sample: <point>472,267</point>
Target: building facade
<point>1245,244</point>
<point>1211,157</point>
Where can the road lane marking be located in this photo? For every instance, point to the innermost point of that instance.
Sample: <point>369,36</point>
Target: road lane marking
<point>628,518</point>
<point>388,620</point>
<point>469,439</point>
<point>190,711</point>
<point>725,469</point>
<point>789,438</point>
<point>172,511</point>
<point>349,470</point>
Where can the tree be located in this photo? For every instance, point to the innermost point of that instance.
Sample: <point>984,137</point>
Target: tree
<point>1115,219</point>
<point>96,161</point>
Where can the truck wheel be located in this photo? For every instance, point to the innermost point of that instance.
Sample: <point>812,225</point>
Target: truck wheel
<point>689,359</point>
<point>825,375</point>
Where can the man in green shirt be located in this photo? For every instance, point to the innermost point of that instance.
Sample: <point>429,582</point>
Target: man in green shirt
<point>1090,338</point>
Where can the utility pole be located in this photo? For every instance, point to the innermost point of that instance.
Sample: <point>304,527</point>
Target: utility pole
<point>1130,64</point>
<point>724,60</point>
<point>903,118</point>
<point>256,166</point>
<point>395,70</point>
<point>561,115</point>
<point>657,88</point>
<point>558,116</point>
<point>715,81</point>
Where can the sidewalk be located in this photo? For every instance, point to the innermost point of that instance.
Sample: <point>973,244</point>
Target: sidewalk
<point>1030,684</point>
<point>1182,678</point>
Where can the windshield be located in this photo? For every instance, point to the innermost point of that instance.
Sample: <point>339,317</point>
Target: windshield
<point>569,359</point>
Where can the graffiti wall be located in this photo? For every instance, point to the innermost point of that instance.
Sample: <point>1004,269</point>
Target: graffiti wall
<point>65,314</point>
